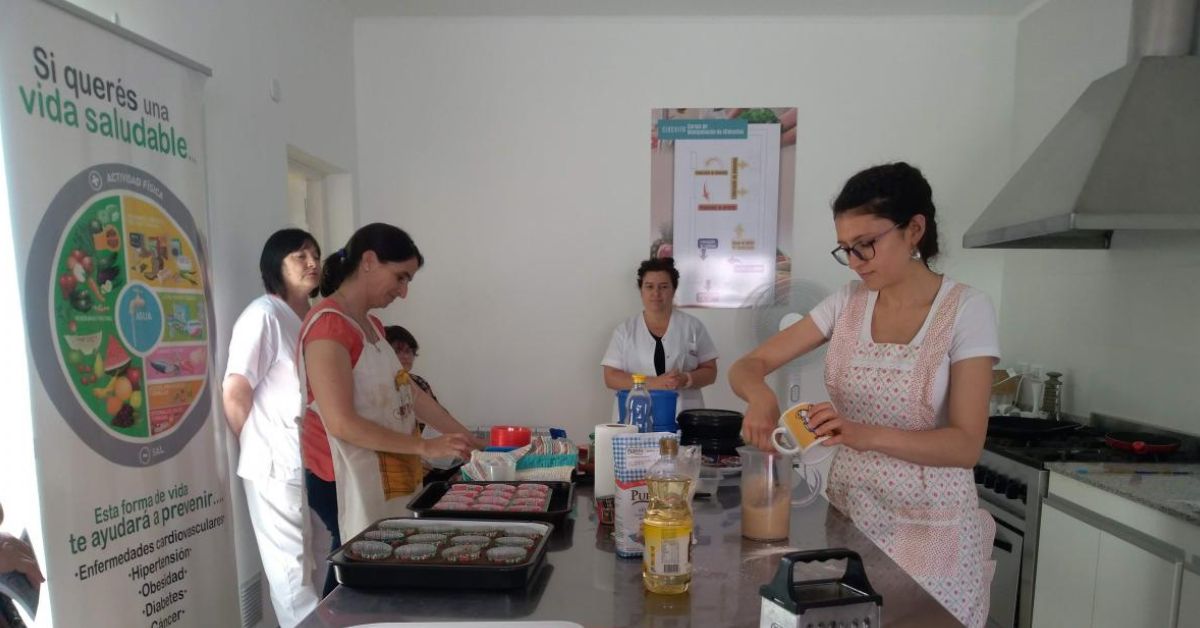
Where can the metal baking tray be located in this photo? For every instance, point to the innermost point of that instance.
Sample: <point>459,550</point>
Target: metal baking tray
<point>394,573</point>
<point>562,501</point>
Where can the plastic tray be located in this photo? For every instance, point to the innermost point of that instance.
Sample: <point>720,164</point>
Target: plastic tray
<point>392,573</point>
<point>562,501</point>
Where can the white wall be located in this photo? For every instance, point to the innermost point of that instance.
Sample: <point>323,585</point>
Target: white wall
<point>306,44</point>
<point>515,150</point>
<point>1121,323</point>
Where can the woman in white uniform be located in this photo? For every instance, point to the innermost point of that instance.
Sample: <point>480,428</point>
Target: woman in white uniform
<point>261,396</point>
<point>672,349</point>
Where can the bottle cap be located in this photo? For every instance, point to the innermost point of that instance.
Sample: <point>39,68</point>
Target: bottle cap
<point>638,378</point>
<point>668,447</point>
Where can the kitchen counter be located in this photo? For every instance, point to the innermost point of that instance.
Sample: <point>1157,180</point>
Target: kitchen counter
<point>1175,495</point>
<point>585,582</point>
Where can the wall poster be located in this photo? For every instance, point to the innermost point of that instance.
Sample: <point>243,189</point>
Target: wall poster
<point>722,183</point>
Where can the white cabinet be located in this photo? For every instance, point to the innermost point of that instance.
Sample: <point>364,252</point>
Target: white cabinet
<point>1089,577</point>
<point>1068,552</point>
<point>1189,601</point>
<point>1133,586</point>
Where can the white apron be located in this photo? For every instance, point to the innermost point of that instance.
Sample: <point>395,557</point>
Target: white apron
<point>927,519</point>
<point>372,485</point>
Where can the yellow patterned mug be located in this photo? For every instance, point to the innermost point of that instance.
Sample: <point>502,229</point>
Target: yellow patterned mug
<point>793,435</point>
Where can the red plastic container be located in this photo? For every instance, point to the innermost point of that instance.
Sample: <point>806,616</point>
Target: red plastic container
<point>510,436</point>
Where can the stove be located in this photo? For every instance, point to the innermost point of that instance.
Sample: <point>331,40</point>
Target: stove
<point>1011,480</point>
<point>1078,444</point>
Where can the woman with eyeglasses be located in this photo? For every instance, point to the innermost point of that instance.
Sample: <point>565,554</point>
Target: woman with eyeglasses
<point>909,374</point>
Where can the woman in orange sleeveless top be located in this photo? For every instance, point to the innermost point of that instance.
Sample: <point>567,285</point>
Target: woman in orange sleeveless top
<point>359,432</point>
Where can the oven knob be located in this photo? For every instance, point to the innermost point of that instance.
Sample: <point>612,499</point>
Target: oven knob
<point>1001,485</point>
<point>989,478</point>
<point>1015,490</point>
<point>978,474</point>
<point>1024,492</point>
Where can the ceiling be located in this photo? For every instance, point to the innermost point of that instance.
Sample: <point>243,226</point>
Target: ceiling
<point>685,8</point>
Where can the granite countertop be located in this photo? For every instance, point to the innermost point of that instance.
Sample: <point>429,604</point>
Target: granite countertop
<point>1170,488</point>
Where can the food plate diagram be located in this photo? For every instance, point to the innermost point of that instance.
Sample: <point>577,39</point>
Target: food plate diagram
<point>119,314</point>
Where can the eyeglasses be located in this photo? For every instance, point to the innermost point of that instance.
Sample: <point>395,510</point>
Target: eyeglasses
<point>864,251</point>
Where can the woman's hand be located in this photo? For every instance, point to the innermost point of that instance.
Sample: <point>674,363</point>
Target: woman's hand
<point>762,415</point>
<point>824,420</point>
<point>16,555</point>
<point>456,445</point>
<point>671,380</point>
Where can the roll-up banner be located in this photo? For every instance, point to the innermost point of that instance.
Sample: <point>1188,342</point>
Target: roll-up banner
<point>110,457</point>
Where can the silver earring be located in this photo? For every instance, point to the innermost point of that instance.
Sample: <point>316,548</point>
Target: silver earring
<point>916,254</point>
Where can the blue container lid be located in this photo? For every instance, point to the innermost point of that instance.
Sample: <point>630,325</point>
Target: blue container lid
<point>663,407</point>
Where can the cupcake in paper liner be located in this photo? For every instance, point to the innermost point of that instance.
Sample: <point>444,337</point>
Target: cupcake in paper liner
<point>416,552</point>
<point>487,507</point>
<point>370,550</point>
<point>472,489</point>
<point>488,499</point>
<point>528,533</point>
<point>506,555</point>
<point>384,534</point>
<point>438,528</point>
<point>490,533</point>
<point>426,538</point>
<point>404,525</point>
<point>462,553</point>
<point>470,539</point>
<point>540,489</point>
<point>506,488</point>
<point>518,506</point>
<point>515,541</point>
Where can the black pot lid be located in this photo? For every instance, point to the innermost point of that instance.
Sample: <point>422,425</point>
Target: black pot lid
<point>708,417</point>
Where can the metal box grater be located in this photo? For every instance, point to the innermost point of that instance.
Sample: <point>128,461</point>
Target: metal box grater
<point>846,602</point>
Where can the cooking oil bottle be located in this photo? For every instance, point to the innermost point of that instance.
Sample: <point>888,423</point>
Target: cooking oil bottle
<point>667,526</point>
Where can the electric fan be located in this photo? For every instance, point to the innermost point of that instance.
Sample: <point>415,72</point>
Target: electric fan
<point>774,307</point>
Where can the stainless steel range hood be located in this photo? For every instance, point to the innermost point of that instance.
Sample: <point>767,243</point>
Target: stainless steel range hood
<point>1125,156</point>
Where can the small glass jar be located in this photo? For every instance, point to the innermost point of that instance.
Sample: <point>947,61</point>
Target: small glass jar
<point>1052,396</point>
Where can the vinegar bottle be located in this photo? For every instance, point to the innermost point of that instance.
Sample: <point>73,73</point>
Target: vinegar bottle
<point>667,526</point>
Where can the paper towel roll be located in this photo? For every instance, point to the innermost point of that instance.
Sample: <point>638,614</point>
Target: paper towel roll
<point>606,483</point>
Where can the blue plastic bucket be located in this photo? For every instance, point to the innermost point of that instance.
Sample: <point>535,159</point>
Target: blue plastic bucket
<point>663,402</point>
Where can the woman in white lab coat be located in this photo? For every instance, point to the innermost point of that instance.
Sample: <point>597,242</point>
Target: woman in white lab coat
<point>672,349</point>
<point>261,396</point>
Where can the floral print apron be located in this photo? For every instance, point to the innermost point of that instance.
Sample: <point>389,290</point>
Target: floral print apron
<point>927,519</point>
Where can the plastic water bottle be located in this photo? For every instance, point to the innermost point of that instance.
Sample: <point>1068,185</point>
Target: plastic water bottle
<point>639,411</point>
